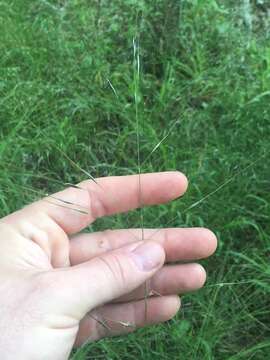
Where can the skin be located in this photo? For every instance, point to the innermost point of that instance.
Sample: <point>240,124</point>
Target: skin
<point>59,288</point>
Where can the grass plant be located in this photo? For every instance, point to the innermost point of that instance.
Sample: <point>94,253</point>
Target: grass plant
<point>67,82</point>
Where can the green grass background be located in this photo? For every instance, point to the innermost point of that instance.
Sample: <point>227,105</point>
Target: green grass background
<point>205,71</point>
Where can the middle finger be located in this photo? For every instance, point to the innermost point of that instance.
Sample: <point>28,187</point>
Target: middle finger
<point>180,244</point>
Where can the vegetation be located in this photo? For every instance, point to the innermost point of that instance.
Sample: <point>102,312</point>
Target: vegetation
<point>67,81</point>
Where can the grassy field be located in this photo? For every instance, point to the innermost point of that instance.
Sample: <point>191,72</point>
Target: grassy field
<point>67,81</point>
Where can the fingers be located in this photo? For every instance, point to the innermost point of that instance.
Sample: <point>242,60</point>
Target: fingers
<point>170,280</point>
<point>74,208</point>
<point>117,319</point>
<point>179,244</point>
<point>83,287</point>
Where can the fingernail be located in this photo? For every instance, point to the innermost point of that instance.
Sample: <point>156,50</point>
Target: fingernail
<point>148,256</point>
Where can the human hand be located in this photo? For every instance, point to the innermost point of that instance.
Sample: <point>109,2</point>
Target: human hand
<point>58,289</point>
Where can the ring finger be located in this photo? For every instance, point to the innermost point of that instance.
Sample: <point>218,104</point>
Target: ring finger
<point>170,280</point>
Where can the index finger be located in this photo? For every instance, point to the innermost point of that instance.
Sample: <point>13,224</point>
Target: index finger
<point>110,195</point>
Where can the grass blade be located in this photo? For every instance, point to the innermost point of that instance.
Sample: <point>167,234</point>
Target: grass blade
<point>204,198</point>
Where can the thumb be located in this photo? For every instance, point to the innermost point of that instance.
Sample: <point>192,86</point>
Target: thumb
<point>109,276</point>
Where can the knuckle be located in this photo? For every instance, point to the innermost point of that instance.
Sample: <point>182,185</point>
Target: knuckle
<point>96,203</point>
<point>116,271</point>
<point>166,236</point>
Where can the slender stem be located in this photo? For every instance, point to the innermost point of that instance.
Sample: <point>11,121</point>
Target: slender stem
<point>136,64</point>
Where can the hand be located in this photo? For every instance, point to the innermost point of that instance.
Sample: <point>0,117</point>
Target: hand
<point>58,288</point>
